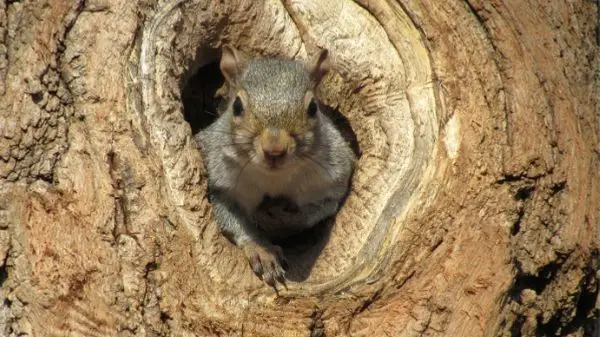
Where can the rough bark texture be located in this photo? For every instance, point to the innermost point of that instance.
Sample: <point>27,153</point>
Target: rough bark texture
<point>475,208</point>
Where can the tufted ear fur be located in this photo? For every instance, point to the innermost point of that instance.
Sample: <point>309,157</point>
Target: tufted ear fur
<point>232,64</point>
<point>319,66</point>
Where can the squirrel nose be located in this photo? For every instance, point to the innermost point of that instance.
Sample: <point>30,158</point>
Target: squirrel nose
<point>274,143</point>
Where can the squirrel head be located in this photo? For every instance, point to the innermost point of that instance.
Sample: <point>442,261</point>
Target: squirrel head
<point>272,106</point>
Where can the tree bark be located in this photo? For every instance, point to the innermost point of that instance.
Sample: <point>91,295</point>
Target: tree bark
<point>474,210</point>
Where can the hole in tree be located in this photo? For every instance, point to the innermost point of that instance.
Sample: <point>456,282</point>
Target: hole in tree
<point>200,99</point>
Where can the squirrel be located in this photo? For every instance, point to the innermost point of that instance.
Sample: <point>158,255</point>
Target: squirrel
<point>276,164</point>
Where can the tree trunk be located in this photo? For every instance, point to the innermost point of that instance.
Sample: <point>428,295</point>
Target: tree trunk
<point>474,210</point>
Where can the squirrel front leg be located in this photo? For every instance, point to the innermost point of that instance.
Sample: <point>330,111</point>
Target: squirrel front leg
<point>266,260</point>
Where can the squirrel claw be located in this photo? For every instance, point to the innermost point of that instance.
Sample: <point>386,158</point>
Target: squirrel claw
<point>256,267</point>
<point>281,279</point>
<point>266,262</point>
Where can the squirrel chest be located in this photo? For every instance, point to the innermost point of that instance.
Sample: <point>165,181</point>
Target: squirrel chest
<point>300,184</point>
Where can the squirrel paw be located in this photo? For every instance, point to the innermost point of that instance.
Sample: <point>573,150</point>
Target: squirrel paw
<point>267,262</point>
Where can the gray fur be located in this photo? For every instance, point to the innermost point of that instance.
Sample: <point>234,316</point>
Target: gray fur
<point>276,88</point>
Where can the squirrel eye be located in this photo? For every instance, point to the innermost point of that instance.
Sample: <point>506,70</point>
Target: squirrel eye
<point>238,107</point>
<point>312,108</point>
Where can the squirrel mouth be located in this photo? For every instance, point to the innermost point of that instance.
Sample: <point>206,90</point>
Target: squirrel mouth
<point>274,160</point>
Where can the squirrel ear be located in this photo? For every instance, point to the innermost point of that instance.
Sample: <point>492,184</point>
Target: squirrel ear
<point>319,67</point>
<point>232,63</point>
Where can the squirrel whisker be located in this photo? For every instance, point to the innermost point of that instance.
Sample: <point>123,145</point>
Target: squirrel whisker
<point>318,163</point>
<point>237,180</point>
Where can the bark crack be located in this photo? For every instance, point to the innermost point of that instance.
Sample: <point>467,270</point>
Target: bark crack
<point>563,322</point>
<point>363,306</point>
<point>4,268</point>
<point>4,42</point>
<point>121,215</point>
<point>538,283</point>
<point>316,327</point>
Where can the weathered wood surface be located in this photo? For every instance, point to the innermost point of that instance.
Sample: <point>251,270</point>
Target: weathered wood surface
<point>475,208</point>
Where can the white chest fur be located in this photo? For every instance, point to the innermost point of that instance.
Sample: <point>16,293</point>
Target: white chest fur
<point>301,183</point>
